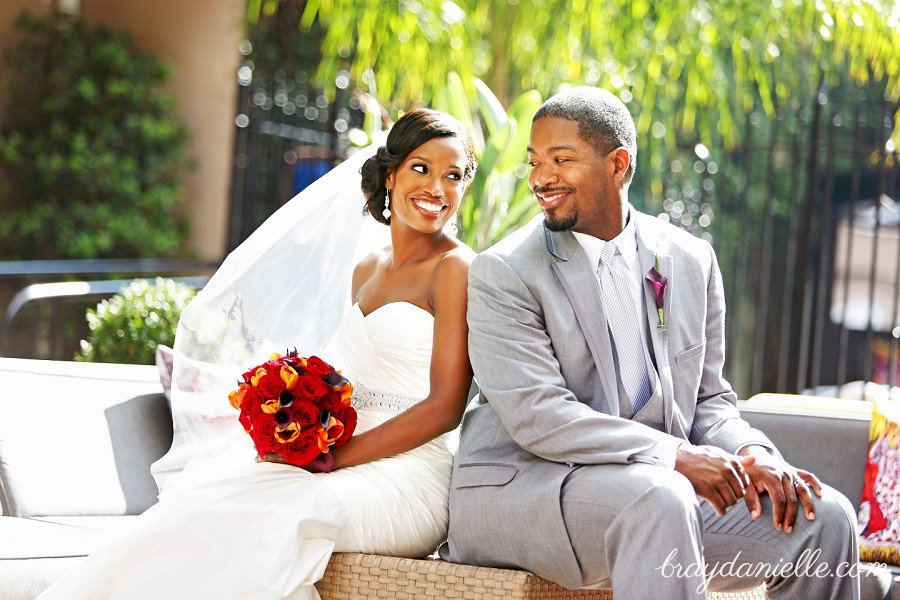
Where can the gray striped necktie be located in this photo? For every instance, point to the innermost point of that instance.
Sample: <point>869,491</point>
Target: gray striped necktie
<point>625,330</point>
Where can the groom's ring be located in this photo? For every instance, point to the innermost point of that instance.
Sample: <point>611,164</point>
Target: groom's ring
<point>797,482</point>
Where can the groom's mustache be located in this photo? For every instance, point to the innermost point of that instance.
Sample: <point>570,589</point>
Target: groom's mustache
<point>545,190</point>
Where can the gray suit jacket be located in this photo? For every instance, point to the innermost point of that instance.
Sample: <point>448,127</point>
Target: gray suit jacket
<point>542,359</point>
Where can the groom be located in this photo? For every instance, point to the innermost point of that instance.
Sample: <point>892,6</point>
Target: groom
<point>606,448</point>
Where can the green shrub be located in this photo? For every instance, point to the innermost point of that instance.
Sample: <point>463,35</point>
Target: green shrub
<point>128,327</point>
<point>90,152</point>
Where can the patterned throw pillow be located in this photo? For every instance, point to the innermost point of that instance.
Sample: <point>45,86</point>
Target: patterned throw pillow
<point>879,508</point>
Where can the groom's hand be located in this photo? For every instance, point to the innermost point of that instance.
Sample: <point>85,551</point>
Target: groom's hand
<point>718,477</point>
<point>789,488</point>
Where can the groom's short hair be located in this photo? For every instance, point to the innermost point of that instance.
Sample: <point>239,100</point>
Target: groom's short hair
<point>603,119</point>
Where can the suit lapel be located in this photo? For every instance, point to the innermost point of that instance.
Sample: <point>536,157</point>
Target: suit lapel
<point>580,284</point>
<point>650,254</point>
<point>648,257</point>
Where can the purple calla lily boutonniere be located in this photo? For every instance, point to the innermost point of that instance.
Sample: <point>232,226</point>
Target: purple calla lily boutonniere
<point>658,281</point>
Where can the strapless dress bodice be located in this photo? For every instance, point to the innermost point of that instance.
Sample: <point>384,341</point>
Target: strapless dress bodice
<point>387,353</point>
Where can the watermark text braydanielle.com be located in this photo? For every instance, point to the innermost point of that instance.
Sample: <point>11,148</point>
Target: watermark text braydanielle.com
<point>807,565</point>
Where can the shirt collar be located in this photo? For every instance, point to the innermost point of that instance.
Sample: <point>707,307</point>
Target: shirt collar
<point>626,243</point>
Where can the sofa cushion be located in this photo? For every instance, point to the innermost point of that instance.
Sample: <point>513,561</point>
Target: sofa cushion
<point>27,579</point>
<point>36,552</point>
<point>89,430</point>
<point>58,537</point>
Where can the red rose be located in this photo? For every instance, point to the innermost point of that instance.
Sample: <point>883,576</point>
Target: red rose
<point>306,414</point>
<point>249,375</point>
<point>253,396</point>
<point>263,433</point>
<point>332,400</point>
<point>251,402</point>
<point>346,414</point>
<point>311,387</point>
<point>250,408</point>
<point>317,366</point>
<point>274,365</point>
<point>245,422</point>
<point>302,450</point>
<point>271,385</point>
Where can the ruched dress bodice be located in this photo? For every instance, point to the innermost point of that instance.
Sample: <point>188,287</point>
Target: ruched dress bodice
<point>388,350</point>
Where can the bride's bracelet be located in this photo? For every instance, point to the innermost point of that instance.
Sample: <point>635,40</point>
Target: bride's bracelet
<point>367,398</point>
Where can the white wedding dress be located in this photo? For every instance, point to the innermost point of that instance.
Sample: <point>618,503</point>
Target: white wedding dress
<point>260,531</point>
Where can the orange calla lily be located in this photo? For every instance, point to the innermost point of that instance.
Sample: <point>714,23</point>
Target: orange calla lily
<point>236,398</point>
<point>321,436</point>
<point>288,434</point>
<point>334,431</point>
<point>260,373</point>
<point>290,377</point>
<point>346,392</point>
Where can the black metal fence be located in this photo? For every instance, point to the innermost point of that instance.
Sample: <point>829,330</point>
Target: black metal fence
<point>287,134</point>
<point>809,241</point>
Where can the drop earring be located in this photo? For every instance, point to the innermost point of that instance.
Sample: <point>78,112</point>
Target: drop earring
<point>386,213</point>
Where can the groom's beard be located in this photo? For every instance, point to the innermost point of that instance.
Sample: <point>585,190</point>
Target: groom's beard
<point>561,217</point>
<point>559,221</point>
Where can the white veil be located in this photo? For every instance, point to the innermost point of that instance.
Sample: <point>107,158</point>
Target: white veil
<point>287,285</point>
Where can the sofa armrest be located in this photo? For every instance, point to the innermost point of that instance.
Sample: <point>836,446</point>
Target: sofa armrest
<point>79,438</point>
<point>829,439</point>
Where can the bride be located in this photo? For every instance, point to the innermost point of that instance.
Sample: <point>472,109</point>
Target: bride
<point>266,530</point>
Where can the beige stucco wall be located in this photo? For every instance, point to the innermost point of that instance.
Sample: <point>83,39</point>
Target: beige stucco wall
<point>200,41</point>
<point>9,37</point>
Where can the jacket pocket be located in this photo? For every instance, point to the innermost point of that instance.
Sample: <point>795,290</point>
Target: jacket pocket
<point>691,351</point>
<point>477,474</point>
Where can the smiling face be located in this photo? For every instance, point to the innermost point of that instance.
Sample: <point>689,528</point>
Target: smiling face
<point>579,187</point>
<point>427,187</point>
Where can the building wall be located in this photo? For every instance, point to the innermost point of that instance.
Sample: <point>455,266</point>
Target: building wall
<point>200,40</point>
<point>9,37</point>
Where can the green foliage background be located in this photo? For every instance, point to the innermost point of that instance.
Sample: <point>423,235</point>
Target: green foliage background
<point>743,110</point>
<point>91,150</point>
<point>691,71</point>
<point>127,327</point>
<point>677,58</point>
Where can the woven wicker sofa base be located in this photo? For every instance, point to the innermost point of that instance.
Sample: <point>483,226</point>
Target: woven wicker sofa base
<point>352,576</point>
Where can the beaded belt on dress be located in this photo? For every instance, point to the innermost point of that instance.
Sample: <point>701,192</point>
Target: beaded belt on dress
<point>364,397</point>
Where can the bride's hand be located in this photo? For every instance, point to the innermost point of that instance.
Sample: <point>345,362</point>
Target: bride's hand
<point>322,464</point>
<point>270,457</point>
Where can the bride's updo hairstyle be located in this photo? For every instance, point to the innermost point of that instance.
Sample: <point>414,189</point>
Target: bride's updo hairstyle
<point>409,132</point>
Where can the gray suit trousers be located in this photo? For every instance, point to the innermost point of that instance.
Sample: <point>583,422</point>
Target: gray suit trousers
<point>641,530</point>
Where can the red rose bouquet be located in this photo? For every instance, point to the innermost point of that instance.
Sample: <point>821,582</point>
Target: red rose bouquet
<point>296,407</point>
